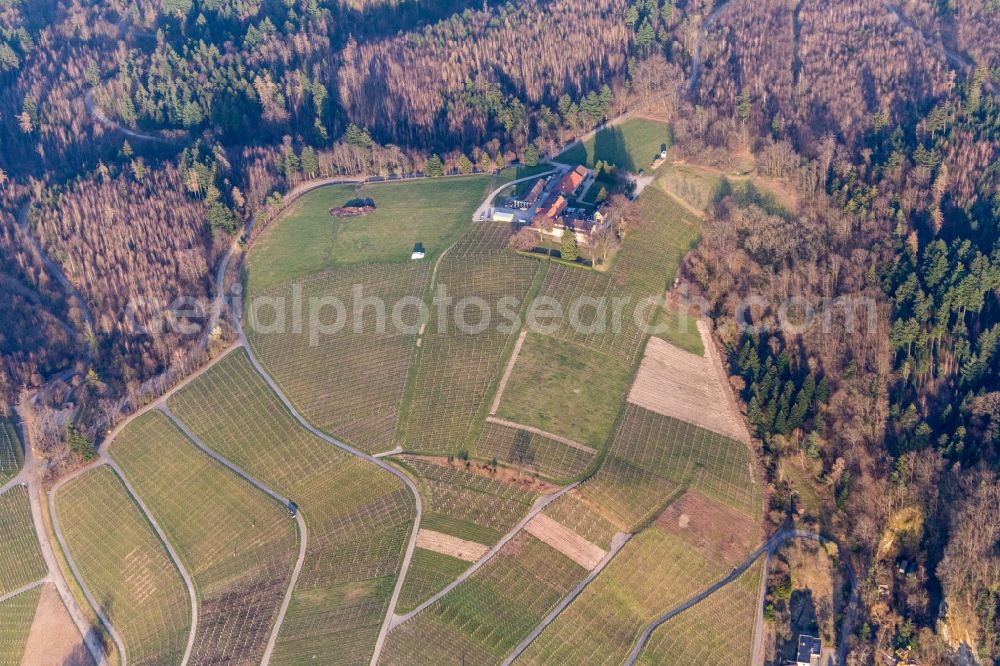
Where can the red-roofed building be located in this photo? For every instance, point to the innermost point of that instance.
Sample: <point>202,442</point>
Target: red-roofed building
<point>553,206</point>
<point>573,180</point>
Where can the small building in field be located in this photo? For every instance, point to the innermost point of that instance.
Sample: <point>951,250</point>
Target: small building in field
<point>502,216</point>
<point>572,180</point>
<point>809,652</point>
<point>418,251</point>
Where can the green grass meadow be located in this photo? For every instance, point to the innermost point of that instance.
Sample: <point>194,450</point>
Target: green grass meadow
<point>631,145</point>
<point>306,239</point>
<point>565,389</point>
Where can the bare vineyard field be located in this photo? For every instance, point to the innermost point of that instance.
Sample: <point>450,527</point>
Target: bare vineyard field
<point>484,618</point>
<point>349,382</point>
<point>20,557</point>
<point>717,630</point>
<point>679,384</point>
<point>653,457</point>
<point>573,511</point>
<point>237,544</point>
<point>16,616</point>
<point>455,370</point>
<point>549,457</point>
<point>358,515</point>
<point>467,505</point>
<point>651,574</point>
<point>10,451</point>
<point>125,567</point>
<point>565,389</point>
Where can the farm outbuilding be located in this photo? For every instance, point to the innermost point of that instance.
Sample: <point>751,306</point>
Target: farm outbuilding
<point>418,251</point>
<point>503,216</point>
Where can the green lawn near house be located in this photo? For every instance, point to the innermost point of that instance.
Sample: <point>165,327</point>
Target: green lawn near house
<point>566,389</point>
<point>306,239</point>
<point>631,145</point>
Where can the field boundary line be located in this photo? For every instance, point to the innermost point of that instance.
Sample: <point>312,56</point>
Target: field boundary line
<point>508,371</point>
<point>299,520</point>
<point>737,417</point>
<point>618,542</point>
<point>542,433</point>
<point>700,214</point>
<point>44,533</point>
<point>537,508</point>
<point>57,528</point>
<point>412,542</point>
<point>24,588</point>
<point>188,582</point>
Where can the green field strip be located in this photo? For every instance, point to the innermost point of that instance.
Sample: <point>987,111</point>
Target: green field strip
<point>562,388</point>
<point>572,511</point>
<point>21,560</point>
<point>125,567</point>
<point>16,617</point>
<point>11,454</point>
<point>358,515</point>
<point>456,370</point>
<point>429,573</point>
<point>238,545</point>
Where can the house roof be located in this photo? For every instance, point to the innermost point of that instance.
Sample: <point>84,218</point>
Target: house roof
<point>576,224</point>
<point>572,180</point>
<point>808,647</point>
<point>553,206</point>
<point>535,191</point>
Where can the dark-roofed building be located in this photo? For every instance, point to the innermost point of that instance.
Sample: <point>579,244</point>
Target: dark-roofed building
<point>810,649</point>
<point>535,191</point>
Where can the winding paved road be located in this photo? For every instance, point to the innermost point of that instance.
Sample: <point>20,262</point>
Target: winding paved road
<point>284,501</point>
<point>411,544</point>
<point>618,542</point>
<point>767,547</point>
